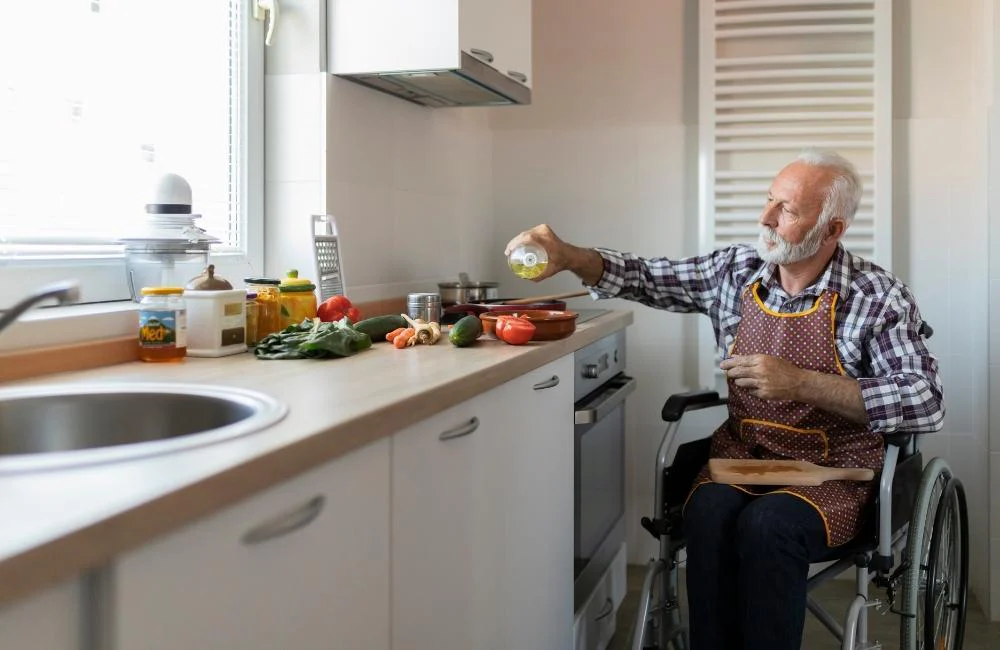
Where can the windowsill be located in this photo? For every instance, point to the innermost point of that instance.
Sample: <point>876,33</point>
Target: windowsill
<point>51,326</point>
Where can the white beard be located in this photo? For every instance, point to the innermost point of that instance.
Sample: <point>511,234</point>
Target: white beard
<point>785,253</point>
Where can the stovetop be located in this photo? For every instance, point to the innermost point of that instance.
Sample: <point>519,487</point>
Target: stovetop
<point>584,315</point>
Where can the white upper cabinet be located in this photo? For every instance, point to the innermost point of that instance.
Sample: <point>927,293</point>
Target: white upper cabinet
<point>498,33</point>
<point>392,36</point>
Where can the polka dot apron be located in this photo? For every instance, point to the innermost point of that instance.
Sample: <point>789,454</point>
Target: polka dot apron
<point>784,429</point>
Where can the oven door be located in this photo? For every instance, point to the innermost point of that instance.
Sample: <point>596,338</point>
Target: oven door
<point>600,466</point>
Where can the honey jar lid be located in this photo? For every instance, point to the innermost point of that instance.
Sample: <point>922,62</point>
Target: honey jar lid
<point>161,291</point>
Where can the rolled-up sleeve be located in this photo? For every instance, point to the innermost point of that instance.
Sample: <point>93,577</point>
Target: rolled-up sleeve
<point>904,393</point>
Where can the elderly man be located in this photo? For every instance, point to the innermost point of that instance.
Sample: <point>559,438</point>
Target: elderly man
<point>824,355</point>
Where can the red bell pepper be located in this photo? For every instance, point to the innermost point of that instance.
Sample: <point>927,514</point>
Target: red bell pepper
<point>337,307</point>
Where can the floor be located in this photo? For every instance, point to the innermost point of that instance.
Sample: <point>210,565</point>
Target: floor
<point>835,596</point>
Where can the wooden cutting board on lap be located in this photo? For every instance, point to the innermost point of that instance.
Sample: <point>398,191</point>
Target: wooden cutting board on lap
<point>781,472</point>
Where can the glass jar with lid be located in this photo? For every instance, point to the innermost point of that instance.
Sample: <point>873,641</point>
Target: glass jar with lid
<point>268,299</point>
<point>298,299</point>
<point>162,324</point>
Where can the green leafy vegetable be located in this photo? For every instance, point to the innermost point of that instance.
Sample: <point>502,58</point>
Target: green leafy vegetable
<point>313,339</point>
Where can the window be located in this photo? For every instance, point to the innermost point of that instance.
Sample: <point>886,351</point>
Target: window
<point>98,98</point>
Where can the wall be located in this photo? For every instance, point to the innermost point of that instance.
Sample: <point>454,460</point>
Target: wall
<point>409,186</point>
<point>940,228</point>
<point>606,156</point>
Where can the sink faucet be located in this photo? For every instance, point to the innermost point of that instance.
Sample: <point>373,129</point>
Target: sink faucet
<point>65,292</point>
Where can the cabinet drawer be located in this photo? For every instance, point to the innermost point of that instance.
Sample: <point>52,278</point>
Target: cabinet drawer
<point>48,620</point>
<point>302,565</point>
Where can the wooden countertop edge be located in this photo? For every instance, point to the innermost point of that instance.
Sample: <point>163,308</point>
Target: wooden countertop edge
<point>91,546</point>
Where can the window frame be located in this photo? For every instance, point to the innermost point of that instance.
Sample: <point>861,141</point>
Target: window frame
<point>103,279</point>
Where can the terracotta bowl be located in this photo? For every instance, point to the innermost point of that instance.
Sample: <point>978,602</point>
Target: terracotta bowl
<point>549,325</point>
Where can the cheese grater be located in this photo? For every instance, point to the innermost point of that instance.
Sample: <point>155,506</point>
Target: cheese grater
<point>329,264</point>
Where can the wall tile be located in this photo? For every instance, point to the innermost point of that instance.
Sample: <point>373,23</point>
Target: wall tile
<point>294,127</point>
<point>364,219</point>
<point>994,569</point>
<point>360,132</point>
<point>425,237</point>
<point>966,395</point>
<point>287,210</point>
<point>994,493</point>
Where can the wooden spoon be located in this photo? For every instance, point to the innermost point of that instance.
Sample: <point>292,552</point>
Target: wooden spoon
<point>554,296</point>
<point>781,472</point>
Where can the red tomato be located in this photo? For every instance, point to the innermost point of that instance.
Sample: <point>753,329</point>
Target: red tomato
<point>334,308</point>
<point>354,314</point>
<point>514,330</point>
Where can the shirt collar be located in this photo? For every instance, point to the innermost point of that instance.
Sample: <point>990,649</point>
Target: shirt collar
<point>836,277</point>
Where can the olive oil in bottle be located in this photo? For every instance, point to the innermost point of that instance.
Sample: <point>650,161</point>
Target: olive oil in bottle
<point>528,261</point>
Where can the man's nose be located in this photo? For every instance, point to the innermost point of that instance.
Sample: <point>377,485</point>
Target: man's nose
<point>768,215</point>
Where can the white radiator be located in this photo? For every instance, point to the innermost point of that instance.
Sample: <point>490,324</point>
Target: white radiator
<point>776,77</point>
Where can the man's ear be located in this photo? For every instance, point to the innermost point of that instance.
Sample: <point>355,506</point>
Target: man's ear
<point>836,228</point>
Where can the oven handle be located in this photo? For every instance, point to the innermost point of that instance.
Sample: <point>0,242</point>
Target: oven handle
<point>623,385</point>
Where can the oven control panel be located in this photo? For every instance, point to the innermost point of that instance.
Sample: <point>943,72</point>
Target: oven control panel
<point>597,363</point>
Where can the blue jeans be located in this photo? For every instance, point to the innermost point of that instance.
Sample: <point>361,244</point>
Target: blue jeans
<point>747,564</point>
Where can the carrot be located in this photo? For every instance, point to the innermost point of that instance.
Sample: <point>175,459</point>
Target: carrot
<point>394,333</point>
<point>400,341</point>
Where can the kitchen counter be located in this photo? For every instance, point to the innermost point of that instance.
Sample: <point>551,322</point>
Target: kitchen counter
<point>61,522</point>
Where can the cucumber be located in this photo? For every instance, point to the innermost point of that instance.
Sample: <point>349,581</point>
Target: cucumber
<point>465,331</point>
<point>378,326</point>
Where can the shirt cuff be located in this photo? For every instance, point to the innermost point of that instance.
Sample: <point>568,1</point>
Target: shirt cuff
<point>612,279</point>
<point>882,403</point>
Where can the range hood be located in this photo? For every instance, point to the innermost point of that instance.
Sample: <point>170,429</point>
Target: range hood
<point>473,83</point>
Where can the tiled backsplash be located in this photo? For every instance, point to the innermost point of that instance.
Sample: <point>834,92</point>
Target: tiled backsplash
<point>410,186</point>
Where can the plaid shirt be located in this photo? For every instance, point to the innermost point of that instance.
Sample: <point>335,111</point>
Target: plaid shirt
<point>877,322</point>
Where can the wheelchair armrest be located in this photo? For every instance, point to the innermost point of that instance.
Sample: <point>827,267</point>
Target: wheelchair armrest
<point>901,440</point>
<point>693,400</point>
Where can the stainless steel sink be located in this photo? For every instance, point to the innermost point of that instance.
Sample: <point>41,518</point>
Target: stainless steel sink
<point>49,427</point>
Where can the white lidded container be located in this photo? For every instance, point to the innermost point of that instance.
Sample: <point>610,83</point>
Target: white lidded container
<point>216,317</point>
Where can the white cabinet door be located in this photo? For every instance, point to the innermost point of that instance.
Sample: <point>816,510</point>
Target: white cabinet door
<point>482,520</point>
<point>304,565</point>
<point>515,18</point>
<point>448,532</point>
<point>539,487</point>
<point>501,29</point>
<point>48,620</point>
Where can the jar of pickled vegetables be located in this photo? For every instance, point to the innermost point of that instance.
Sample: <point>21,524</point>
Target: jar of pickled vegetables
<point>298,299</point>
<point>268,302</point>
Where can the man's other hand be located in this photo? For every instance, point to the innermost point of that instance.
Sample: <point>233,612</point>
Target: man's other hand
<point>765,376</point>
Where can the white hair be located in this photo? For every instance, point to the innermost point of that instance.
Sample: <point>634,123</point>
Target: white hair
<point>844,194</point>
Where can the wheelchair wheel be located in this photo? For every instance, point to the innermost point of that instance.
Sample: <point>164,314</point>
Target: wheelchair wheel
<point>947,584</point>
<point>917,556</point>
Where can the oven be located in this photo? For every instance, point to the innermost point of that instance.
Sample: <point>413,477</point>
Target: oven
<point>601,387</point>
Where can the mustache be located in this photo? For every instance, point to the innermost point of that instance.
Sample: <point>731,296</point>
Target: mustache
<point>770,235</point>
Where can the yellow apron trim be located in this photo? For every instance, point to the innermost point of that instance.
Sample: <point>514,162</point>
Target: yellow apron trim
<point>826,524</point>
<point>707,481</point>
<point>814,432</point>
<point>833,335</point>
<point>767,310</point>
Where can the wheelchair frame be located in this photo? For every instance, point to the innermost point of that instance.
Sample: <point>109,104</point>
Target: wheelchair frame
<point>659,623</point>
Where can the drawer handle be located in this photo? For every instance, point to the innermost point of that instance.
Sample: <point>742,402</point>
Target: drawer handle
<point>460,431</point>
<point>548,383</point>
<point>286,523</point>
<point>609,606</point>
<point>482,54</point>
<point>520,76</point>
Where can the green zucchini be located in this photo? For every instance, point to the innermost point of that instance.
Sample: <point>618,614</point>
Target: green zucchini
<point>465,331</point>
<point>378,326</point>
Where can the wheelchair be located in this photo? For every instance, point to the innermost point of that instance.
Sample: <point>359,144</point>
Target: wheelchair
<point>919,515</point>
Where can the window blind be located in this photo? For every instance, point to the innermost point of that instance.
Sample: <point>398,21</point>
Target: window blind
<point>100,97</point>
